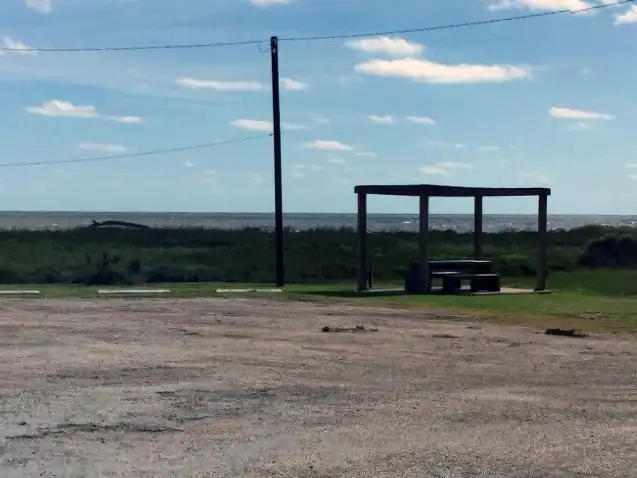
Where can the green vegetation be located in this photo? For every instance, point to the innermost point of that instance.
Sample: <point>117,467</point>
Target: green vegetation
<point>575,304</point>
<point>127,256</point>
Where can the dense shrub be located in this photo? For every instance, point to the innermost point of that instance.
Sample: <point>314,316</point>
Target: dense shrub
<point>116,256</point>
<point>612,250</point>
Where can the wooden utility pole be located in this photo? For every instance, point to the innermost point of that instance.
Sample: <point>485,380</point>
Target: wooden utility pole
<point>278,180</point>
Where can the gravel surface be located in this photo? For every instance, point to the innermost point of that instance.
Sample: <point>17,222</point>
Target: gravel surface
<point>253,388</point>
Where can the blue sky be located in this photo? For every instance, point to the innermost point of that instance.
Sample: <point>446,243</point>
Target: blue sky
<point>548,101</point>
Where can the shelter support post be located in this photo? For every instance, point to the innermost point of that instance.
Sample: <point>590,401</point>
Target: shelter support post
<point>423,230</point>
<point>362,242</point>
<point>542,226</point>
<point>477,227</point>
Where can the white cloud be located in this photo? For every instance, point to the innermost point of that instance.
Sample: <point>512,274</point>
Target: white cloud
<point>257,178</point>
<point>541,4</point>
<point>253,125</point>
<point>60,108</point>
<point>199,84</point>
<point>336,160</point>
<point>40,6</point>
<point>442,144</point>
<point>421,120</point>
<point>388,119</point>
<point>293,85</point>
<point>16,47</point>
<point>103,147</point>
<point>63,108</point>
<point>421,70</point>
<point>444,168</point>
<point>189,164</point>
<point>569,113</point>
<point>454,165</point>
<point>434,170</point>
<point>389,45</point>
<point>631,165</point>
<point>632,176</point>
<point>265,126</point>
<point>489,149</point>
<point>366,154</point>
<point>329,146</point>
<point>126,119</point>
<point>629,16</point>
<point>269,3</point>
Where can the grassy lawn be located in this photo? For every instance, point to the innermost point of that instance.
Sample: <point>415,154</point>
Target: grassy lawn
<point>584,300</point>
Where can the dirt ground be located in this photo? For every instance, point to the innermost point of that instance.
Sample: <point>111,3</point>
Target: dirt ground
<point>253,388</point>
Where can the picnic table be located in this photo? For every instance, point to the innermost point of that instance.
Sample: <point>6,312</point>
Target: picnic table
<point>453,273</point>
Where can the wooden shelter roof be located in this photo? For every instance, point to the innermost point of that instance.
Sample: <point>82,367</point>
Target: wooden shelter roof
<point>437,190</point>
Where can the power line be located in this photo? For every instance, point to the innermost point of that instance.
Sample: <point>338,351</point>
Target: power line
<point>137,155</point>
<point>457,25</point>
<point>184,46</point>
<point>319,38</point>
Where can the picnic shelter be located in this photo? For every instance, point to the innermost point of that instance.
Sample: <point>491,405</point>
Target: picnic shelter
<point>426,191</point>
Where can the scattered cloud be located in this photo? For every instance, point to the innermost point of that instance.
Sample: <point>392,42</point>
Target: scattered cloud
<point>421,120</point>
<point>15,47</point>
<point>443,144</point>
<point>454,165</point>
<point>252,125</point>
<point>489,149</point>
<point>422,70</point>
<point>189,164</point>
<point>569,113</point>
<point>293,85</point>
<point>631,165</point>
<point>40,6</point>
<point>632,176</point>
<point>257,178</point>
<point>337,161</point>
<point>587,70</point>
<point>265,126</point>
<point>63,108</point>
<point>60,108</point>
<point>434,170</point>
<point>444,168</point>
<point>387,119</point>
<point>218,85</point>
<point>326,145</point>
<point>388,45</point>
<point>270,3</point>
<point>366,154</point>
<point>103,147</point>
<point>629,16</point>
<point>537,5</point>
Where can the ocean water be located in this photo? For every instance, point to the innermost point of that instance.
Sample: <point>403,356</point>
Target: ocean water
<point>376,222</point>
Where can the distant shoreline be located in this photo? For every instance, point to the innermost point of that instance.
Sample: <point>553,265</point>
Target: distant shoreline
<point>300,222</point>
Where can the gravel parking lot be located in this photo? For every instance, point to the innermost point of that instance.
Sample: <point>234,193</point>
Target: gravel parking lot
<point>224,387</point>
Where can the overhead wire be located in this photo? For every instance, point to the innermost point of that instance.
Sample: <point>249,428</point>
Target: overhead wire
<point>137,155</point>
<point>530,16</point>
<point>457,25</point>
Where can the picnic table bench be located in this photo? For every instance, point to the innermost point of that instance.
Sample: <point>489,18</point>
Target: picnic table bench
<point>453,273</point>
